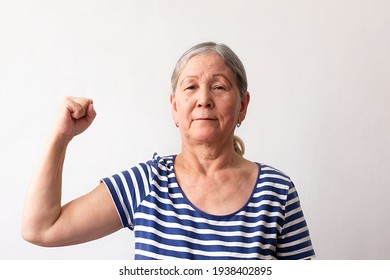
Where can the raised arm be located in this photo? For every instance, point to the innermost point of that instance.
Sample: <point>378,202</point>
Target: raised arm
<point>45,221</point>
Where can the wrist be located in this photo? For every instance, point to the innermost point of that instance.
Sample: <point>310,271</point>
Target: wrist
<point>60,140</point>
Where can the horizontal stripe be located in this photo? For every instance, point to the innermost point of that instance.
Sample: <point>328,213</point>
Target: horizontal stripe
<point>199,252</point>
<point>294,243</point>
<point>206,239</point>
<point>206,231</point>
<point>296,252</point>
<point>249,216</point>
<point>187,239</point>
<point>149,200</point>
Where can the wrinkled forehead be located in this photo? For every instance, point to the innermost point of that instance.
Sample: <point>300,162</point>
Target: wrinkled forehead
<point>206,65</point>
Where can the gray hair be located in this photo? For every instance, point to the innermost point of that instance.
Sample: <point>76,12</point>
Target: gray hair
<point>229,57</point>
<point>231,60</point>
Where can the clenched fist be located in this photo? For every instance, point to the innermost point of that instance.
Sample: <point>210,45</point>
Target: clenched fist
<point>75,116</point>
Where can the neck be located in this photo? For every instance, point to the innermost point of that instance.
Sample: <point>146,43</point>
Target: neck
<point>206,159</point>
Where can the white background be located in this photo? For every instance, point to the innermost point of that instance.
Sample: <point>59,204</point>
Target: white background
<point>318,76</point>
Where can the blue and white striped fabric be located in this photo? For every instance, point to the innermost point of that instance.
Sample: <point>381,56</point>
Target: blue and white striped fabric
<point>167,226</point>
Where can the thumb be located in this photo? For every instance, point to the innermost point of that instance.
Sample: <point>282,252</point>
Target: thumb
<point>91,113</point>
<point>78,106</point>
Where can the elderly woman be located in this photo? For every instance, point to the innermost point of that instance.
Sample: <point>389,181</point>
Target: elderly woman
<point>207,202</point>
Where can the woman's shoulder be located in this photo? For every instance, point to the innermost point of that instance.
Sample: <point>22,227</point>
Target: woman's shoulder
<point>162,162</point>
<point>162,165</point>
<point>271,170</point>
<point>268,173</point>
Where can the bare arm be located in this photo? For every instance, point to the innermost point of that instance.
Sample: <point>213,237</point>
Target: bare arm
<point>45,221</point>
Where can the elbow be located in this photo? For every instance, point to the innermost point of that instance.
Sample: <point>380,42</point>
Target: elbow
<point>34,237</point>
<point>35,232</point>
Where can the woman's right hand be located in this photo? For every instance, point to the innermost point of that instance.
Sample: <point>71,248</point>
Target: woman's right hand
<point>75,116</point>
<point>45,221</point>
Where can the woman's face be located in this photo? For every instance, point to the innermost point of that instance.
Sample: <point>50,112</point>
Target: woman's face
<point>207,103</point>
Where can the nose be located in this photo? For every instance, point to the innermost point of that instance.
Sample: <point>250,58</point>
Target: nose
<point>205,99</point>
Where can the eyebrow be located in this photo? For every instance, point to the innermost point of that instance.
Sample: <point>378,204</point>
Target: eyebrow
<point>213,76</point>
<point>186,78</point>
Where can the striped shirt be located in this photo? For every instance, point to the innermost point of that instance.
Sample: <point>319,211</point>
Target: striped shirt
<point>167,225</point>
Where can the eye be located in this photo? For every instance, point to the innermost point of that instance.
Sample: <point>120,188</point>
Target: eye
<point>219,87</point>
<point>189,88</point>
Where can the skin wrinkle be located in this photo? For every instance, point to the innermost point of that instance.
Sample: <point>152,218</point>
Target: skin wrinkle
<point>207,105</point>
<point>231,61</point>
<point>192,78</point>
<point>203,80</point>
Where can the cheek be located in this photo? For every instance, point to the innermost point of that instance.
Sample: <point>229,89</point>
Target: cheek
<point>183,111</point>
<point>186,103</point>
<point>230,110</point>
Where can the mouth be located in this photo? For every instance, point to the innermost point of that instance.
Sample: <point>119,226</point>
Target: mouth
<point>205,119</point>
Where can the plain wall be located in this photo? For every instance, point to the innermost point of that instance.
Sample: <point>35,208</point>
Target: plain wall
<point>319,78</point>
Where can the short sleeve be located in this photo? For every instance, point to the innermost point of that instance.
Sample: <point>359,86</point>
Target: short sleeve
<point>294,241</point>
<point>128,189</point>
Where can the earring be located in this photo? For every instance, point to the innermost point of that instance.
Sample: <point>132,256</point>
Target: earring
<point>238,124</point>
<point>177,124</point>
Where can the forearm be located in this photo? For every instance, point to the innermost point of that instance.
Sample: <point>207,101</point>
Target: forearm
<point>45,221</point>
<point>43,200</point>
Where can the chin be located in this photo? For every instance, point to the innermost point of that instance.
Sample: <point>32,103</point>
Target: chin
<point>207,135</point>
<point>206,138</point>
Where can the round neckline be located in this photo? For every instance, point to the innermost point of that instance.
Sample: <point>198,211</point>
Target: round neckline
<point>213,216</point>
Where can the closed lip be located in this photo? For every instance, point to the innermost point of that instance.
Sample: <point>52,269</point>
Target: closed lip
<point>205,119</point>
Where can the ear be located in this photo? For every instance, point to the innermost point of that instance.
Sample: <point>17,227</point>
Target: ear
<point>172,100</point>
<point>244,106</point>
